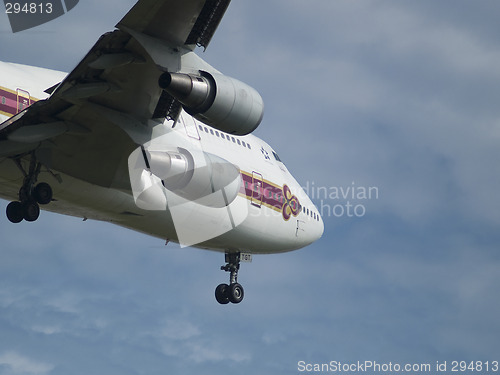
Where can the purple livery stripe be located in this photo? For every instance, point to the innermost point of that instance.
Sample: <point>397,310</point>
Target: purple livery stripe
<point>263,192</point>
<point>12,102</point>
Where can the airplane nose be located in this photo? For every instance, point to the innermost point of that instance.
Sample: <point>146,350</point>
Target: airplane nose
<point>320,228</point>
<point>310,226</point>
<point>314,231</point>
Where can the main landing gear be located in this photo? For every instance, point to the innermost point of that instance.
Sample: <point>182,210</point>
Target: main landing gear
<point>233,292</point>
<point>30,194</point>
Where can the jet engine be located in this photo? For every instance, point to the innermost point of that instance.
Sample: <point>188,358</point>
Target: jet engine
<point>197,177</point>
<point>216,100</point>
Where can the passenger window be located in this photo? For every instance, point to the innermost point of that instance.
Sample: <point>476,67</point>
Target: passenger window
<point>3,100</point>
<point>217,133</point>
<point>248,145</point>
<point>211,132</point>
<point>222,136</point>
<point>239,142</point>
<point>234,140</point>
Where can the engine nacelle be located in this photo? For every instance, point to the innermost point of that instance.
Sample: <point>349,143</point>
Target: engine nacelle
<point>216,100</point>
<point>200,177</point>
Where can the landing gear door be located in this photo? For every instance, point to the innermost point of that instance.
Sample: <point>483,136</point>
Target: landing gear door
<point>257,189</point>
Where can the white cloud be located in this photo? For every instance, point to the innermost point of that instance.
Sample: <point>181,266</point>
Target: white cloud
<point>182,339</point>
<point>179,330</point>
<point>208,352</point>
<point>47,330</point>
<point>14,363</point>
<point>65,303</point>
<point>273,338</point>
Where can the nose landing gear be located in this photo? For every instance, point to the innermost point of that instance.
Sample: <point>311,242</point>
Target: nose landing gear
<point>233,292</point>
<point>30,195</point>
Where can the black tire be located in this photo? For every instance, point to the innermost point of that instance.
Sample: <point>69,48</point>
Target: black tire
<point>221,294</point>
<point>236,293</point>
<point>15,212</point>
<point>31,211</point>
<point>43,193</point>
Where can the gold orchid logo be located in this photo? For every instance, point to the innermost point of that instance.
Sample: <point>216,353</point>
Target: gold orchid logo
<point>291,206</point>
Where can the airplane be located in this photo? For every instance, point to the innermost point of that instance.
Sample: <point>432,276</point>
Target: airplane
<point>145,134</point>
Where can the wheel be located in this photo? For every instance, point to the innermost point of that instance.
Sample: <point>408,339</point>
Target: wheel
<point>43,193</point>
<point>31,211</point>
<point>235,293</point>
<point>221,294</point>
<point>15,212</point>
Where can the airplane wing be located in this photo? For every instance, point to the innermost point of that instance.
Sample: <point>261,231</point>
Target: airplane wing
<point>111,101</point>
<point>188,22</point>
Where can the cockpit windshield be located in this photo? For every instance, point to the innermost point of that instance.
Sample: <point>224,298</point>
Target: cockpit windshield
<point>277,157</point>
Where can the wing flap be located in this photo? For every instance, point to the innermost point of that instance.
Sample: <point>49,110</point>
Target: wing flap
<point>188,22</point>
<point>207,22</point>
<point>168,20</point>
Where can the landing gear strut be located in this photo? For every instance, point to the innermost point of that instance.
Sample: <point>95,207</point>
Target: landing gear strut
<point>30,194</point>
<point>233,292</point>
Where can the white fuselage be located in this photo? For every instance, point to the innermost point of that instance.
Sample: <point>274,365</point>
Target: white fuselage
<point>278,216</point>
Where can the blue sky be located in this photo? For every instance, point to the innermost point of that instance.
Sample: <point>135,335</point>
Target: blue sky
<point>401,96</point>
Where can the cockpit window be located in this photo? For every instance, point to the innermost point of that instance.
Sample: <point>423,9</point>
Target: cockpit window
<point>277,157</point>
